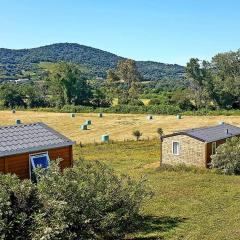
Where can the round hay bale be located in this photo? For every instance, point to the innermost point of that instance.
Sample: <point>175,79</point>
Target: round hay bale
<point>84,127</point>
<point>18,121</point>
<point>88,122</point>
<point>105,138</point>
<point>179,116</point>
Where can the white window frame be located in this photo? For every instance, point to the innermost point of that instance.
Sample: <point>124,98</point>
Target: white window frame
<point>214,147</point>
<point>178,153</point>
<point>36,154</point>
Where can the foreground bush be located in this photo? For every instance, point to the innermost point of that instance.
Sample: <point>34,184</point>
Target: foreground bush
<point>88,201</point>
<point>227,157</point>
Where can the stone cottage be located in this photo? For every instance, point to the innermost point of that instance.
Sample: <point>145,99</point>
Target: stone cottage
<point>195,146</point>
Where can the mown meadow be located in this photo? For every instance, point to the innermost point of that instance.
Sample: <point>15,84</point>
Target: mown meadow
<point>119,126</point>
<point>187,203</point>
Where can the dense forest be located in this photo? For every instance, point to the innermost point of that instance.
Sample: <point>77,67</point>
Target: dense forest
<point>25,62</point>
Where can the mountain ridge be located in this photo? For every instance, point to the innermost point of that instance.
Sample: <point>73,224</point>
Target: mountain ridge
<point>19,62</point>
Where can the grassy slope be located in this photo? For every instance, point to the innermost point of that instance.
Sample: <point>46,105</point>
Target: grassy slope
<point>186,205</point>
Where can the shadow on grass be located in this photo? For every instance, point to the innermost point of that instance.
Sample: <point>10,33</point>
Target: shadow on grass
<point>152,224</point>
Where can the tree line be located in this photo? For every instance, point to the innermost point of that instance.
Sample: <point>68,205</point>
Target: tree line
<point>215,84</point>
<point>208,85</point>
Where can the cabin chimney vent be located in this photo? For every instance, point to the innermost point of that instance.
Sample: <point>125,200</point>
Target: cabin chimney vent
<point>226,130</point>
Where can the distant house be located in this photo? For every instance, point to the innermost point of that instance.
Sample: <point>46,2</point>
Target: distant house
<point>23,147</point>
<point>195,146</point>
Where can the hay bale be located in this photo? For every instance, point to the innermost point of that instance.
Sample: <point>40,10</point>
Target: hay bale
<point>105,138</point>
<point>84,127</point>
<point>88,122</point>
<point>18,121</point>
<point>179,116</point>
<point>149,117</point>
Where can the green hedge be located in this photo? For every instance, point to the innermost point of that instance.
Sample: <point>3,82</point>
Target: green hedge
<point>151,109</point>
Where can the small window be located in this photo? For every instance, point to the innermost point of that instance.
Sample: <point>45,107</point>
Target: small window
<point>38,160</point>
<point>214,147</point>
<point>175,148</point>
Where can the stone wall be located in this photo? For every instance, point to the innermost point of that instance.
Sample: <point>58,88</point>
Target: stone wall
<point>192,151</point>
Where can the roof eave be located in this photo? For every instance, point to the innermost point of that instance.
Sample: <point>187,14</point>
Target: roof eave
<point>183,133</point>
<point>36,149</point>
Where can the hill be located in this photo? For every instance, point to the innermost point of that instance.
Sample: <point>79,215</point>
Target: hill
<point>25,62</point>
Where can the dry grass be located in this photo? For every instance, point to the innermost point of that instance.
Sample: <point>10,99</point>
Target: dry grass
<point>119,126</point>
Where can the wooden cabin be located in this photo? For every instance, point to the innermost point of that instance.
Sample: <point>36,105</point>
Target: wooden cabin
<point>195,146</point>
<point>23,147</point>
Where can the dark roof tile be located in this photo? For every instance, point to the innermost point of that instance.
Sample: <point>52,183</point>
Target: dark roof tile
<point>211,134</point>
<point>30,137</point>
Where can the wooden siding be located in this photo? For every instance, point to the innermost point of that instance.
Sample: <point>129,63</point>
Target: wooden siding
<point>19,164</point>
<point>209,150</point>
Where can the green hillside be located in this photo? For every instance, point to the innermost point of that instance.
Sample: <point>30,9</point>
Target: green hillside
<point>25,62</point>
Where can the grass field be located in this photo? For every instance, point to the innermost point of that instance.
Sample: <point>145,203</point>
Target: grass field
<point>187,205</point>
<point>119,126</point>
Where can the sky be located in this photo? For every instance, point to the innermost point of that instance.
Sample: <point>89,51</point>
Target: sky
<point>169,31</point>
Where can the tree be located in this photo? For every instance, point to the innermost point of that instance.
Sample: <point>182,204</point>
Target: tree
<point>182,99</point>
<point>137,134</point>
<point>227,157</point>
<point>100,98</point>
<point>160,132</point>
<point>200,80</point>
<point>124,82</point>
<point>67,86</point>
<point>226,71</point>
<point>112,84</point>
<point>34,95</point>
<point>11,96</point>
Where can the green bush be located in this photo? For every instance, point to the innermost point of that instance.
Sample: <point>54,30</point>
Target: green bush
<point>155,101</point>
<point>19,204</point>
<point>88,201</point>
<point>227,157</point>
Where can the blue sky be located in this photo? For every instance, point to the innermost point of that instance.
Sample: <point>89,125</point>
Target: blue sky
<point>169,31</point>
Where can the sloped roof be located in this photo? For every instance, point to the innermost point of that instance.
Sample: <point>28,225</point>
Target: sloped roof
<point>23,138</point>
<point>210,134</point>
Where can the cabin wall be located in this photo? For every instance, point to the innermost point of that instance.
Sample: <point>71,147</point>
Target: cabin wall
<point>192,151</point>
<point>209,150</point>
<point>19,164</point>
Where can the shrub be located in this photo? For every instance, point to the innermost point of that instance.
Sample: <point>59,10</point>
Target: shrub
<point>155,101</point>
<point>88,201</point>
<point>19,204</point>
<point>137,134</point>
<point>227,157</point>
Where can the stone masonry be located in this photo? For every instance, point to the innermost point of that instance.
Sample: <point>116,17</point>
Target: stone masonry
<point>192,151</point>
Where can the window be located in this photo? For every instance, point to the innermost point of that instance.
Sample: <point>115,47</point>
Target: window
<point>175,148</point>
<point>214,147</point>
<point>38,160</point>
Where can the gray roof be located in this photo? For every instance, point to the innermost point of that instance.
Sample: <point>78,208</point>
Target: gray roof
<point>23,138</point>
<point>211,134</point>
